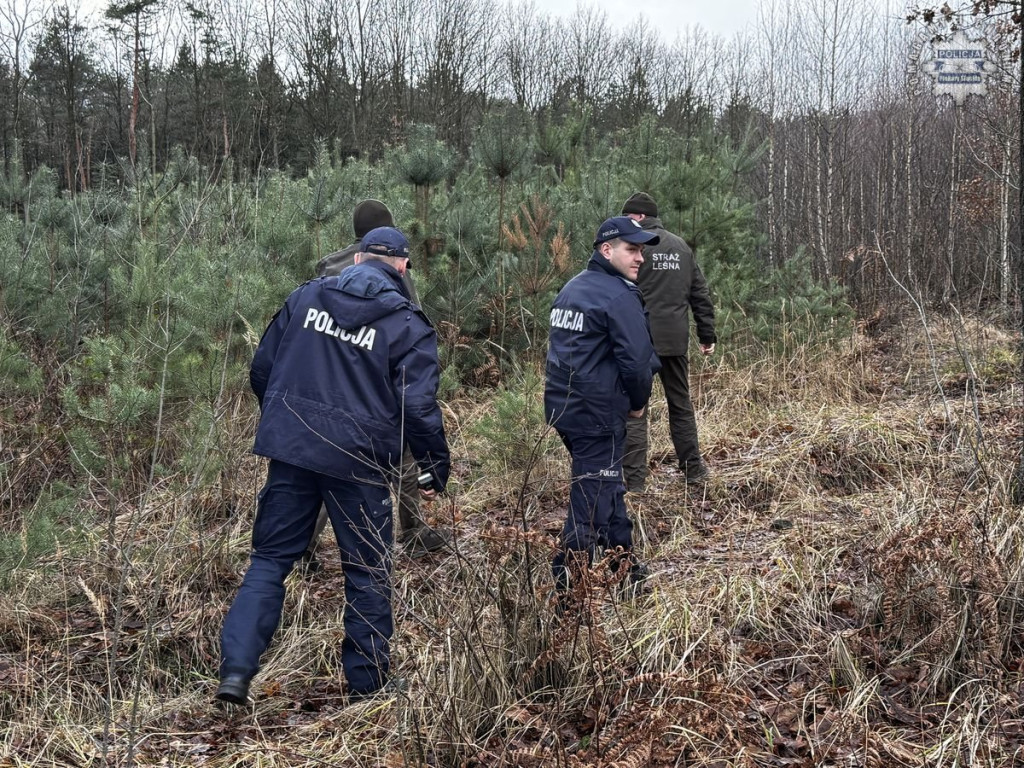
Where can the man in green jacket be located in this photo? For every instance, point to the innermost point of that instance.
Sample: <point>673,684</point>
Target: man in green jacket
<point>673,286</point>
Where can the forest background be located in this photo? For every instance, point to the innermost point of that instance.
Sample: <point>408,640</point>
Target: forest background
<point>170,175</point>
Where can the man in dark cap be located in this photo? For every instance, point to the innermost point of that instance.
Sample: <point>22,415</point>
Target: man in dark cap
<point>346,374</point>
<point>368,214</point>
<point>416,537</point>
<point>673,286</point>
<point>600,367</point>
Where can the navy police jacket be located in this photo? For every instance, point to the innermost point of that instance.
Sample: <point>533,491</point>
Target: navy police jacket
<point>601,362</point>
<point>345,373</point>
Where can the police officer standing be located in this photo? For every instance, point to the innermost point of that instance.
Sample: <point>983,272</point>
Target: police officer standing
<point>346,374</point>
<point>600,367</point>
<point>672,286</point>
<point>414,535</point>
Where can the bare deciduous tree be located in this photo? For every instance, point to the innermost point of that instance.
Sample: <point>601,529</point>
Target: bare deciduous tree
<point>18,22</point>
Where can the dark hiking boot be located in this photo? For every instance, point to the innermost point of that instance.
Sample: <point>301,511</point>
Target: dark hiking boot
<point>309,564</point>
<point>233,689</point>
<point>422,541</point>
<point>636,583</point>
<point>697,472</point>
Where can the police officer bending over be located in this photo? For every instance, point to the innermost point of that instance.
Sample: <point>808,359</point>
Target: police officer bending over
<point>600,367</point>
<point>413,533</point>
<point>345,373</point>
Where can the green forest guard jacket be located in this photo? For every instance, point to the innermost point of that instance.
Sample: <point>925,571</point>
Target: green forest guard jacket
<point>673,285</point>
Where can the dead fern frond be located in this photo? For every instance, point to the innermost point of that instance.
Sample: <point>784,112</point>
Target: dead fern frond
<point>938,584</point>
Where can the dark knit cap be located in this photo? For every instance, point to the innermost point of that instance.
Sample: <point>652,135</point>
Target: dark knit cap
<point>370,214</point>
<point>640,202</point>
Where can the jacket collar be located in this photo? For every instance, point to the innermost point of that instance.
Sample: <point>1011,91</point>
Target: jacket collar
<point>599,263</point>
<point>389,271</point>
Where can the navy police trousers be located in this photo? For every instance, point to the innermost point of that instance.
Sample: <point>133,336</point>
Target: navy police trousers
<point>286,514</point>
<point>597,509</point>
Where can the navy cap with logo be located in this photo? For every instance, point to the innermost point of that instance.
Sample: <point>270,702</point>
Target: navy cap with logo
<point>624,228</point>
<point>385,241</point>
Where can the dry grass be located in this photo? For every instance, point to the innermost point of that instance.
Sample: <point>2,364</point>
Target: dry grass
<point>846,591</point>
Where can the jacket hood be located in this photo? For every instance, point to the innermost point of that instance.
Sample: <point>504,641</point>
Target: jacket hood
<point>364,293</point>
<point>651,222</point>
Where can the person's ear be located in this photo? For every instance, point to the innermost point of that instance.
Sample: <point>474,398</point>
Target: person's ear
<point>357,258</point>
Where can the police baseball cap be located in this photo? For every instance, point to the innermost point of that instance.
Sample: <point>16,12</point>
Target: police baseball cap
<point>624,228</point>
<point>385,241</point>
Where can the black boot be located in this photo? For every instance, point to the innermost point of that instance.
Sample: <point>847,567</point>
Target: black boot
<point>309,564</point>
<point>421,540</point>
<point>635,583</point>
<point>233,689</point>
<point>697,472</point>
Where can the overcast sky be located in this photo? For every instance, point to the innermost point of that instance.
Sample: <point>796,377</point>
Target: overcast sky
<point>721,17</point>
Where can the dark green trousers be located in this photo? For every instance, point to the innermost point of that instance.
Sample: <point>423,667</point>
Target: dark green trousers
<point>682,425</point>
